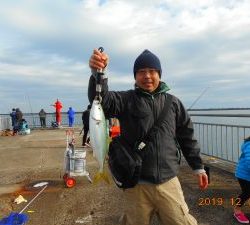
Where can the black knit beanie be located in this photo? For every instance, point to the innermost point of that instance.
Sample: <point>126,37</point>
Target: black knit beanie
<point>147,60</point>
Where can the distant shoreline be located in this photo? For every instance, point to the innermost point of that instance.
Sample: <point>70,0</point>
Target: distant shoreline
<point>201,109</point>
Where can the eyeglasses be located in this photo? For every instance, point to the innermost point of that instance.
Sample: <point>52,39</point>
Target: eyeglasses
<point>147,71</point>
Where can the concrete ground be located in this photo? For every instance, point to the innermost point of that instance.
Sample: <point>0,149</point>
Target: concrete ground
<point>39,157</point>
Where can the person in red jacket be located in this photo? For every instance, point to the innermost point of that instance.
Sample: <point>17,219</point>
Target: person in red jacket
<point>58,105</point>
<point>115,128</point>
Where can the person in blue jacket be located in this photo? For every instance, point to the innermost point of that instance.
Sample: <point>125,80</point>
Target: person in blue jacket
<point>13,117</point>
<point>243,175</point>
<point>71,115</point>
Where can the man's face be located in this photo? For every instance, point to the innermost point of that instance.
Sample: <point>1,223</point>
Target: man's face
<point>147,78</point>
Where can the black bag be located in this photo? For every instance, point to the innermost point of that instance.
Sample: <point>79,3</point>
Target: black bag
<point>124,161</point>
<point>124,164</point>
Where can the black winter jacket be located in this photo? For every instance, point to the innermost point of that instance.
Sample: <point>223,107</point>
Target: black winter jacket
<point>137,111</point>
<point>85,118</point>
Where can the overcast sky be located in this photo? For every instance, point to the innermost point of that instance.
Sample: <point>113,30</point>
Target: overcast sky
<point>203,45</point>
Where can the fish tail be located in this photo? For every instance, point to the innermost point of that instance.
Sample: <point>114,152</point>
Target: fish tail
<point>101,176</point>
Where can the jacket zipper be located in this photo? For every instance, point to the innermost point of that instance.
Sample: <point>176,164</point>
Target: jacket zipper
<point>157,142</point>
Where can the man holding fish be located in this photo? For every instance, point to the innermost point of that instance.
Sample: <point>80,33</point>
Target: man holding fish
<point>158,190</point>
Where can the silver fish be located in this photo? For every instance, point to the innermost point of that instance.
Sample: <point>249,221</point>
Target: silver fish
<point>99,138</point>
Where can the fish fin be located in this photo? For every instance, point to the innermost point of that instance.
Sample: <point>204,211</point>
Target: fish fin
<point>101,176</point>
<point>109,139</point>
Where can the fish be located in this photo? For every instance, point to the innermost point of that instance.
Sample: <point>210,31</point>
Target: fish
<point>99,139</point>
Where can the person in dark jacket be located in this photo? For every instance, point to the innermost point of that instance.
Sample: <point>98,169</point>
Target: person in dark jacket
<point>19,118</point>
<point>42,115</point>
<point>85,121</point>
<point>71,116</point>
<point>158,189</point>
<point>243,175</point>
<point>19,115</point>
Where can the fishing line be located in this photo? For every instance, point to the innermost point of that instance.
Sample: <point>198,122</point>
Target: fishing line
<point>33,198</point>
<point>197,99</point>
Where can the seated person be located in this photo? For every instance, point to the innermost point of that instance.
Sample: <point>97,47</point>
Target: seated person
<point>23,127</point>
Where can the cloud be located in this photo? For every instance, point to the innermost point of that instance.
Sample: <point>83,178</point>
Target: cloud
<point>45,47</point>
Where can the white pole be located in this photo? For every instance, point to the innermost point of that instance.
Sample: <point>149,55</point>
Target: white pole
<point>33,199</point>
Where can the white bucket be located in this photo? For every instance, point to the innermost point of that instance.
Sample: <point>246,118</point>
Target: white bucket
<point>78,161</point>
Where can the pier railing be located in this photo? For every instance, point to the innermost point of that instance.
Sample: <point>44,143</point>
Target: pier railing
<point>33,120</point>
<point>216,139</point>
<point>221,139</point>
<point>5,123</point>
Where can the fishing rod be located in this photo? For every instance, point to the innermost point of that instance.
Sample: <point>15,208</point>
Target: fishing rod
<point>34,198</point>
<point>206,168</point>
<point>33,119</point>
<point>19,218</point>
<point>197,99</point>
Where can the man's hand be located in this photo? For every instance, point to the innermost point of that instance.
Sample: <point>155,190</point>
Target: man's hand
<point>203,180</point>
<point>98,60</point>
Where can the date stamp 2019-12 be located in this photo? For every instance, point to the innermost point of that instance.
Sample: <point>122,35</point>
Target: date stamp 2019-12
<point>219,201</point>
